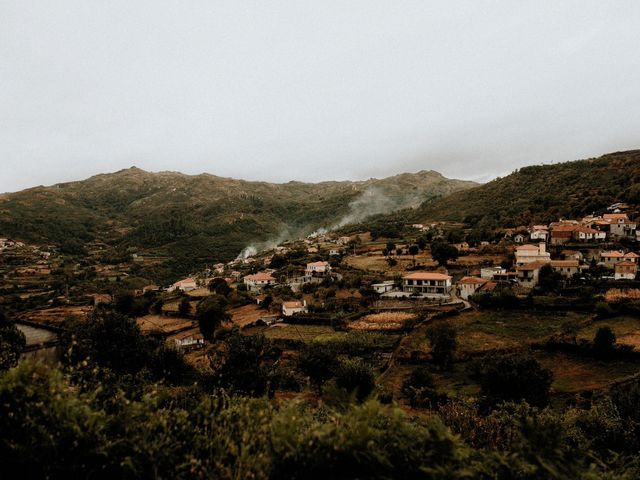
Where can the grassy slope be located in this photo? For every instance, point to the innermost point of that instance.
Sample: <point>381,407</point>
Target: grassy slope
<point>542,193</point>
<point>194,218</point>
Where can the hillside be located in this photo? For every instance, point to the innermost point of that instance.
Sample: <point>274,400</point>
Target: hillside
<point>201,218</point>
<point>543,193</point>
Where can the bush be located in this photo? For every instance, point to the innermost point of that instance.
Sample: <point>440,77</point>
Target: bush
<point>442,337</point>
<point>354,375</point>
<point>419,388</point>
<point>514,377</point>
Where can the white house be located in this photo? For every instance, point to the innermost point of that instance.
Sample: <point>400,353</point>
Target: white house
<point>566,268</point>
<point>429,284</point>
<point>258,281</point>
<point>625,270</point>
<point>539,232</point>
<point>293,307</point>
<point>468,286</point>
<point>586,234</point>
<point>519,238</point>
<point>609,259</point>
<point>487,273</point>
<point>529,274</point>
<point>186,285</point>
<point>317,269</point>
<point>383,287</point>
<point>532,253</point>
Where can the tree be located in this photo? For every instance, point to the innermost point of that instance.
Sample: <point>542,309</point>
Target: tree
<point>211,313</point>
<point>12,342</point>
<point>184,307</point>
<point>514,377</point>
<point>392,262</point>
<point>110,340</point>
<point>243,369</point>
<point>419,388</point>
<point>354,375</point>
<point>421,242</point>
<point>413,251</point>
<point>604,342</point>
<point>442,252</point>
<point>318,362</point>
<point>549,280</point>
<point>220,286</point>
<point>391,247</point>
<point>442,337</point>
<point>266,303</point>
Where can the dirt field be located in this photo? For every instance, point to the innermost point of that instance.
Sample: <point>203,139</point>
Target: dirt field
<point>57,315</point>
<point>626,329</point>
<point>382,321</point>
<point>164,324</point>
<point>573,374</point>
<point>284,331</point>
<point>246,315</point>
<point>486,330</point>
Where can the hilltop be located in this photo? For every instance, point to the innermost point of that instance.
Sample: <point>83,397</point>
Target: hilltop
<point>198,218</point>
<point>543,193</point>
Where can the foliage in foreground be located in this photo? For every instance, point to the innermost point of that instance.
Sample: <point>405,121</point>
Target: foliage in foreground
<point>53,428</point>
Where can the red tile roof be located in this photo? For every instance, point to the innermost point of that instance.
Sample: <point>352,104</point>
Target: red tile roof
<point>426,276</point>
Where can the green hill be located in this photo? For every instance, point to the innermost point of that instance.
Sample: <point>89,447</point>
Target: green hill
<point>201,218</point>
<point>543,193</point>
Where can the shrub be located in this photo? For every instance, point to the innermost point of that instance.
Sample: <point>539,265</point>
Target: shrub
<point>354,375</point>
<point>514,377</point>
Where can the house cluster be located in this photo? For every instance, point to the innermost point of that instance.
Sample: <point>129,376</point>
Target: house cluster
<point>591,229</point>
<point>530,259</point>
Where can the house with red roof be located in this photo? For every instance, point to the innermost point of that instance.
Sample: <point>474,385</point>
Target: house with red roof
<point>625,270</point>
<point>532,253</point>
<point>258,281</point>
<point>467,286</point>
<point>428,284</point>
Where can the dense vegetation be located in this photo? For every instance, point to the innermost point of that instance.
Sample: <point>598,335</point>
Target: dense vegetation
<point>198,219</point>
<point>543,193</point>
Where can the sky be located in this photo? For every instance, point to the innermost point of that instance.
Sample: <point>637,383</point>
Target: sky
<point>313,90</point>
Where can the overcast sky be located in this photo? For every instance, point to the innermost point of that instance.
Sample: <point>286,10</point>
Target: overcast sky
<point>312,90</point>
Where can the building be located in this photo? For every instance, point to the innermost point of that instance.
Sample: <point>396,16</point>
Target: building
<point>258,281</point>
<point>540,233</point>
<point>317,269</point>
<point>383,287</point>
<point>519,238</point>
<point>334,252</point>
<point>467,286</point>
<point>488,272</point>
<point>620,225</point>
<point>186,285</point>
<point>625,270</point>
<point>532,253</point>
<point>609,259</point>
<point>562,233</point>
<point>293,307</point>
<point>429,284</point>
<point>529,274</point>
<point>566,268</point>
<point>586,234</point>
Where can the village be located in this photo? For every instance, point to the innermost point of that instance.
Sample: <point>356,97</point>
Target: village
<point>539,277</point>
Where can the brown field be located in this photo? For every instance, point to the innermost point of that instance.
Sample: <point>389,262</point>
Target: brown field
<point>284,331</point>
<point>486,330</point>
<point>378,263</point>
<point>199,292</point>
<point>382,321</point>
<point>246,315</point>
<point>56,315</point>
<point>173,306</point>
<point>163,324</point>
<point>626,329</point>
<point>573,374</point>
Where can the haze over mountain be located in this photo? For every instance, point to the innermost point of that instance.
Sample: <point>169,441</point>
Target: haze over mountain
<point>194,219</point>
